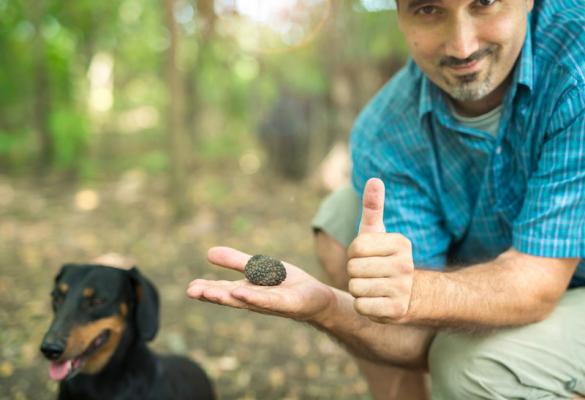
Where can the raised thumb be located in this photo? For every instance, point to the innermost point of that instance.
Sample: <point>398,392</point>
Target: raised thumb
<point>373,207</point>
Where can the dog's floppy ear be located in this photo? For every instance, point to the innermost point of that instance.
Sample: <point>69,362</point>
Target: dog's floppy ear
<point>146,313</point>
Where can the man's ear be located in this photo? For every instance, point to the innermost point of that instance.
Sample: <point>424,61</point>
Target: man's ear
<point>147,305</point>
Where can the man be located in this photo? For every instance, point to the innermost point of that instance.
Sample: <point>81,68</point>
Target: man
<point>480,141</point>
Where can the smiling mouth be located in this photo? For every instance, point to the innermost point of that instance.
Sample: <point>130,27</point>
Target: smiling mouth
<point>67,369</point>
<point>469,68</point>
<point>472,64</point>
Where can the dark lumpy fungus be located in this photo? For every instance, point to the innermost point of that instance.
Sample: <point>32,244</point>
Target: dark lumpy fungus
<point>264,270</point>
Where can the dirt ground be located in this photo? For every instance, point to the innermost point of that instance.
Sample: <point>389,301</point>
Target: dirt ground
<point>248,356</point>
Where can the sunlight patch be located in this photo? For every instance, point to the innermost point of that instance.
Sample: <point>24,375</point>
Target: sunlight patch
<point>87,200</point>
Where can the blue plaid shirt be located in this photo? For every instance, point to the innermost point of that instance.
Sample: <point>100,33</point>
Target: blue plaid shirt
<point>463,196</point>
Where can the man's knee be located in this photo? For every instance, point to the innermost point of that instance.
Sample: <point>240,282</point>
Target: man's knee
<point>332,256</point>
<point>461,368</point>
<point>540,360</point>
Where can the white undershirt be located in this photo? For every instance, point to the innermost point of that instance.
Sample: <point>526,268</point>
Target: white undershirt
<point>488,122</point>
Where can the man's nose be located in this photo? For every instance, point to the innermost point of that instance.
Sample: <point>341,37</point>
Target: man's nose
<point>461,41</point>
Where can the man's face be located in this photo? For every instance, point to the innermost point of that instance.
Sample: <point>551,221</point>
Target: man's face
<point>466,47</point>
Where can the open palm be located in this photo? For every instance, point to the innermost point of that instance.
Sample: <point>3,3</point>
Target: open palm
<point>299,296</point>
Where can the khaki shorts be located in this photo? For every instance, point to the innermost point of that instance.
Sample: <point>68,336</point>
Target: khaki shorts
<point>545,360</point>
<point>338,215</point>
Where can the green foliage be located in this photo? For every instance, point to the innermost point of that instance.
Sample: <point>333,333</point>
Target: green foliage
<point>154,161</point>
<point>15,68</point>
<point>379,36</point>
<point>300,75</point>
<point>15,147</point>
<point>226,87</point>
<point>228,143</point>
<point>70,132</point>
<point>242,224</point>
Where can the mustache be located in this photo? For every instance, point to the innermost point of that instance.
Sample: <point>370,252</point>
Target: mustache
<point>478,55</point>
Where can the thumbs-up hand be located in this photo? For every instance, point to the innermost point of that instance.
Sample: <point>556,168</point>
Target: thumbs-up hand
<point>380,265</point>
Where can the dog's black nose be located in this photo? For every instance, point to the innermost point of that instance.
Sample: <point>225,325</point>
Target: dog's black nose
<point>53,350</point>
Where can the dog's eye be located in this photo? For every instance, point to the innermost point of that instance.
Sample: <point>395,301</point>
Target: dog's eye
<point>95,302</point>
<point>57,298</point>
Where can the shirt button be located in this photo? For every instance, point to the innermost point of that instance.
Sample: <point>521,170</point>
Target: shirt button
<point>498,149</point>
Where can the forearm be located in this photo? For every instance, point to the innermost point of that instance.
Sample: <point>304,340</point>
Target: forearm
<point>399,345</point>
<point>507,291</point>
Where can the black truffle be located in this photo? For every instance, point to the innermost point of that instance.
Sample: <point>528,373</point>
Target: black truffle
<point>264,270</point>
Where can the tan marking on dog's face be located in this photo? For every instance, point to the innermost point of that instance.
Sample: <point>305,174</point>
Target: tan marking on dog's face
<point>63,287</point>
<point>123,309</point>
<point>82,336</point>
<point>88,292</point>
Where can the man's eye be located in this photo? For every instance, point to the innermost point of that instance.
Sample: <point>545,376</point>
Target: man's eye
<point>427,10</point>
<point>486,3</point>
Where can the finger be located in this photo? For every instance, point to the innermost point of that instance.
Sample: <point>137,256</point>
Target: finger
<point>379,244</point>
<point>198,286</point>
<point>228,258</point>
<point>223,297</point>
<point>379,307</point>
<point>262,299</point>
<point>377,287</point>
<point>210,283</point>
<point>379,267</point>
<point>215,292</point>
<point>381,320</point>
<point>373,207</point>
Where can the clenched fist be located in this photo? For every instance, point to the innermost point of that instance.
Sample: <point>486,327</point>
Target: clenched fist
<point>380,265</point>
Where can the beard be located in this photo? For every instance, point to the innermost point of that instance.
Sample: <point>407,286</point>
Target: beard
<point>470,87</point>
<point>473,86</point>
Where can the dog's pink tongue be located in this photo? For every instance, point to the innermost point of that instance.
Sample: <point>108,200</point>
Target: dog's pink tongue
<point>59,370</point>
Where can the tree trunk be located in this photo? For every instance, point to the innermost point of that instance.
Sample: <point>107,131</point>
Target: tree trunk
<point>178,145</point>
<point>41,101</point>
<point>206,20</point>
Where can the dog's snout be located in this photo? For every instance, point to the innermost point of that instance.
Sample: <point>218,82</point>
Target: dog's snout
<point>52,349</point>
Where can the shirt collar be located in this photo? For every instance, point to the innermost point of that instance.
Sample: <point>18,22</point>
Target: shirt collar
<point>432,98</point>
<point>524,73</point>
<point>426,98</point>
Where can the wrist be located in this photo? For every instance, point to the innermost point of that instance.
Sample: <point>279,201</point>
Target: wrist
<point>325,318</point>
<point>416,311</point>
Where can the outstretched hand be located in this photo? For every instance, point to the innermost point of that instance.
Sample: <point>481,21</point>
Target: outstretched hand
<point>380,265</point>
<point>299,296</point>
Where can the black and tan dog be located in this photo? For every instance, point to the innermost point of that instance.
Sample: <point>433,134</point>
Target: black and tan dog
<point>97,341</point>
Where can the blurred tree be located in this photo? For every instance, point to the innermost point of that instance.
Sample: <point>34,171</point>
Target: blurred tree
<point>178,141</point>
<point>41,99</point>
<point>356,52</point>
<point>206,18</point>
<point>201,76</point>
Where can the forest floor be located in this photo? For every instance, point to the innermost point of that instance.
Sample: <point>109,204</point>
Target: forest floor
<point>248,356</point>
